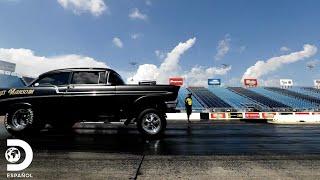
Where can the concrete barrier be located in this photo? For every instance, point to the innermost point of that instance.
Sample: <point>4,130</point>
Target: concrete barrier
<point>234,115</point>
<point>183,116</point>
<point>296,119</point>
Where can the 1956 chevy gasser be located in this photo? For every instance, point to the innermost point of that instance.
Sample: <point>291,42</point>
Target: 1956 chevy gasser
<point>63,97</point>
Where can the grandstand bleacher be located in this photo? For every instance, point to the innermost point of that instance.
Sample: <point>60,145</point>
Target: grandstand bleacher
<point>208,98</point>
<point>287,100</point>
<point>248,99</point>
<point>312,89</point>
<point>295,95</point>
<point>235,100</point>
<point>303,90</point>
<point>9,81</point>
<point>258,97</point>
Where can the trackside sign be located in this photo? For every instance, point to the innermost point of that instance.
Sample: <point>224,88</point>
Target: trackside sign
<point>214,82</point>
<point>286,82</point>
<point>176,81</point>
<point>253,115</point>
<point>250,82</point>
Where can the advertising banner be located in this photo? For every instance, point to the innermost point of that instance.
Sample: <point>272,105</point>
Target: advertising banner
<point>286,82</point>
<point>251,82</point>
<point>268,115</point>
<point>286,113</point>
<point>176,81</point>
<point>6,66</point>
<point>302,113</point>
<point>218,115</point>
<point>252,115</point>
<point>236,115</point>
<point>214,82</point>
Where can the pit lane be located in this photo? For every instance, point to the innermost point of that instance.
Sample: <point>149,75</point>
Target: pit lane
<point>208,149</point>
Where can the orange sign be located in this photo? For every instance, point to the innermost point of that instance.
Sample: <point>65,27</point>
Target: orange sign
<point>218,115</point>
<point>251,82</point>
<point>268,115</point>
<point>176,81</point>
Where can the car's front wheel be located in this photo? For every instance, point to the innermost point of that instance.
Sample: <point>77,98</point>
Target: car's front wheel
<point>151,123</point>
<point>21,120</point>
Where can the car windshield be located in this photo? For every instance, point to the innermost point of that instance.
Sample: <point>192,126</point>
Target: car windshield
<point>56,79</point>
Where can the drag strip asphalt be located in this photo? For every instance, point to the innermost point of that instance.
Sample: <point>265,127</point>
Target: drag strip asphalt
<point>208,150</point>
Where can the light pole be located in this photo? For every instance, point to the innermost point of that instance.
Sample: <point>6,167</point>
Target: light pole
<point>133,64</point>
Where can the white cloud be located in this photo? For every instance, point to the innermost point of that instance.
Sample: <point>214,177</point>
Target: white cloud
<point>284,49</point>
<point>223,47</point>
<point>262,68</point>
<point>170,67</point>
<point>95,7</point>
<point>198,75</point>
<point>234,81</point>
<point>271,82</point>
<point>135,36</point>
<point>117,42</point>
<point>29,64</point>
<point>159,54</point>
<point>136,14</point>
<point>145,72</point>
<point>171,62</point>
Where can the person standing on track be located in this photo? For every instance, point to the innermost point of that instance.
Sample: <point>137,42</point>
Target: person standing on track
<point>188,105</point>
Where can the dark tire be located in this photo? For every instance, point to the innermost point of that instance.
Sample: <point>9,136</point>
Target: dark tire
<point>151,123</point>
<point>22,120</point>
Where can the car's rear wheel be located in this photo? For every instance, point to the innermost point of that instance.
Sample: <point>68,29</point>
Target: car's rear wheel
<point>22,121</point>
<point>151,123</point>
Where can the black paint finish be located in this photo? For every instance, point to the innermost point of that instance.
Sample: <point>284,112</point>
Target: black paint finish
<point>93,102</point>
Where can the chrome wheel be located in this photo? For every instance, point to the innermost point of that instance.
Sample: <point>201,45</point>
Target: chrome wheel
<point>151,123</point>
<point>21,118</point>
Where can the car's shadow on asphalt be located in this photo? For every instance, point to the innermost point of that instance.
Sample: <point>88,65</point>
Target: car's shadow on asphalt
<point>201,139</point>
<point>98,139</point>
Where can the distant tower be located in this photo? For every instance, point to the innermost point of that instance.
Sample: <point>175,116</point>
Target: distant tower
<point>133,64</point>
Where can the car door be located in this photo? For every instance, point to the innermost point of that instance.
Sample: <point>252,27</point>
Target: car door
<point>124,96</point>
<point>50,89</point>
<point>89,96</point>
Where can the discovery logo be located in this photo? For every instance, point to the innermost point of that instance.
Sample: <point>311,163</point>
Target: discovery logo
<point>13,156</point>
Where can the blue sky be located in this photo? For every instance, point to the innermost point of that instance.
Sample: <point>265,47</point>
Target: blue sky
<point>250,30</point>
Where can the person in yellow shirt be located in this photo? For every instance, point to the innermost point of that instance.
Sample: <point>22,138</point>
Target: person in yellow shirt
<point>188,105</point>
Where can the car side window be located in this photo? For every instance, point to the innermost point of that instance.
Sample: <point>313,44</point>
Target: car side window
<point>56,79</point>
<point>115,79</point>
<point>102,77</point>
<point>94,77</point>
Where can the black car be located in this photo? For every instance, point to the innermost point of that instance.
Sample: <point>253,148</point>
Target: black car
<point>65,96</point>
